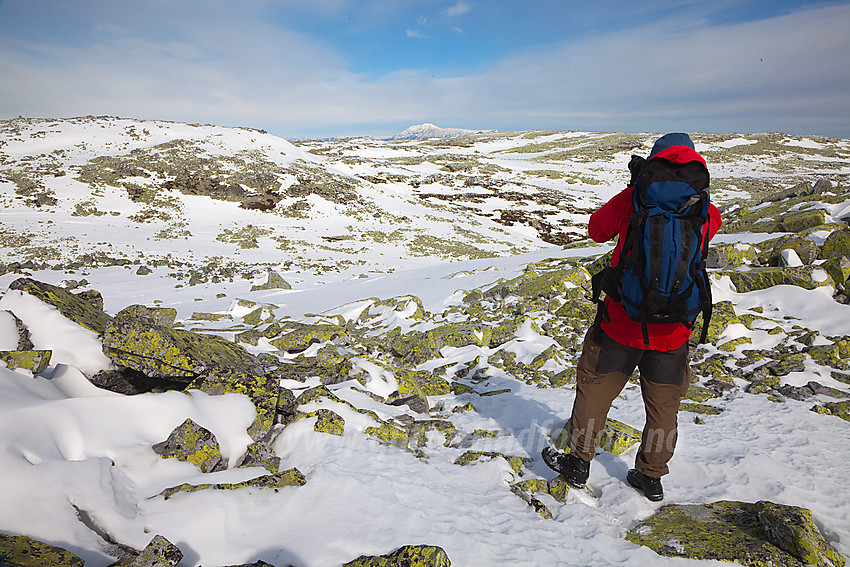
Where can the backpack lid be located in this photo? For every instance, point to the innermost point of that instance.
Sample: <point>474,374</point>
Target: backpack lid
<point>670,140</point>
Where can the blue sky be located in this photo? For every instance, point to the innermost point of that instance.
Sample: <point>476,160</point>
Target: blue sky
<point>302,68</point>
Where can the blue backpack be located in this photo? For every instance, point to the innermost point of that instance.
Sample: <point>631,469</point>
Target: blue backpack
<point>661,274</point>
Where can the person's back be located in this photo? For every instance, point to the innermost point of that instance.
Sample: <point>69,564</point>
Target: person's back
<point>617,343</point>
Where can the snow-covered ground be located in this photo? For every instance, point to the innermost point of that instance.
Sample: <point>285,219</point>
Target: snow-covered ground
<point>69,449</point>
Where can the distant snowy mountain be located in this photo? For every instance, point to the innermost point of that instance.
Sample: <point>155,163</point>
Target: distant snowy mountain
<point>428,130</point>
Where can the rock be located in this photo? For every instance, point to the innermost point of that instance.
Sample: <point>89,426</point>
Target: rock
<point>161,351</point>
<point>805,248</point>
<point>807,277</point>
<point>839,409</point>
<point>798,221</point>
<point>472,457</point>
<point>526,490</point>
<point>414,348</point>
<point>24,342</point>
<point>459,335</point>
<point>23,551</point>
<point>616,437</point>
<point>259,454</point>
<point>73,307</point>
<point>263,390</point>
<point>757,534</point>
<point>300,338</point>
<point>722,315</point>
<point>291,477</point>
<point>418,431</point>
<point>407,556</point>
<point>572,282</point>
<point>811,389</point>
<point>730,255</point>
<point>130,382</point>
<point>192,443</point>
<point>36,361</point>
<point>273,281</point>
<point>157,315</point>
<point>836,245</point>
<point>158,553</point>
<point>839,270</point>
<point>702,409</point>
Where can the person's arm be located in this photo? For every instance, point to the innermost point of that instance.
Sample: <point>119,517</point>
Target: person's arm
<point>714,221</point>
<point>605,223</point>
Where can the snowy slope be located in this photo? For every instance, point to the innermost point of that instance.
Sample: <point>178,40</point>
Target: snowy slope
<point>382,219</point>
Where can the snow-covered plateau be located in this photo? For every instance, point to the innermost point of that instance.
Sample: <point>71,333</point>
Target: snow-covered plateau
<point>417,308</point>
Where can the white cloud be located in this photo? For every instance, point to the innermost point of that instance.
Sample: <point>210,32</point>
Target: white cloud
<point>415,33</point>
<point>458,9</point>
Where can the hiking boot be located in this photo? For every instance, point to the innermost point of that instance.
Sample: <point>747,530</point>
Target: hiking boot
<point>651,487</point>
<point>574,470</point>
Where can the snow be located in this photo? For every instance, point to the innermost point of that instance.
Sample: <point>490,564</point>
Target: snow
<point>67,446</point>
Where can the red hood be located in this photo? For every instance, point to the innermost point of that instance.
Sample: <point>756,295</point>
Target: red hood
<point>680,154</point>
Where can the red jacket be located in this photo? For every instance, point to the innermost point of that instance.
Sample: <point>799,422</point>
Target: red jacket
<point>611,220</point>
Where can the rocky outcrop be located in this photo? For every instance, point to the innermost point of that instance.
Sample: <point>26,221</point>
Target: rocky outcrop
<point>407,556</point>
<point>76,308</point>
<point>763,533</point>
<point>23,551</point>
<point>195,444</point>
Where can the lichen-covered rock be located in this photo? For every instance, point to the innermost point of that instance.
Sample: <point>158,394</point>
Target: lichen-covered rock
<point>472,457</point>
<point>23,551</point>
<point>616,437</point>
<point>24,342</point>
<point>72,307</point>
<point>702,409</point>
<point>730,255</point>
<point>840,409</point>
<point>418,431</point>
<point>807,277</point>
<point>389,434</point>
<point>839,270</point>
<point>157,315</point>
<point>798,221</point>
<point>164,352</point>
<point>300,338</point>
<point>700,394</point>
<point>158,553</point>
<point>259,454</point>
<point>793,529</point>
<point>573,281</point>
<point>273,281</point>
<point>419,385</point>
<point>505,331</point>
<point>526,490</point>
<point>407,556</point>
<point>461,334</point>
<point>730,346</point>
<point>805,248</point>
<point>722,315</point>
<point>757,534</point>
<point>784,364</point>
<point>290,477</point>
<point>837,244</point>
<point>263,390</point>
<point>195,444</point>
<point>36,361</point>
<point>327,421</point>
<point>414,348</point>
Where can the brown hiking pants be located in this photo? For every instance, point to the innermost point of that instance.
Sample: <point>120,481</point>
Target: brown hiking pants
<point>603,370</point>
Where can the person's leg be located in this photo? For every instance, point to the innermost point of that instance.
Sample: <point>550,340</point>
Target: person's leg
<point>603,370</point>
<point>664,380</point>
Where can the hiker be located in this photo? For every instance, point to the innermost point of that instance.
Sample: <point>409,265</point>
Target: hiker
<point>620,341</point>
